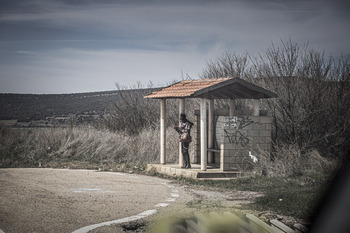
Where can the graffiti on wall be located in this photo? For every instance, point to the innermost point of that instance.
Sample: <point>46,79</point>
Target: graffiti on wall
<point>240,122</point>
<point>238,137</point>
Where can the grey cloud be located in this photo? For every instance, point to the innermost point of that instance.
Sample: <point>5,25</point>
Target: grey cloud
<point>167,23</point>
<point>102,34</point>
<point>170,22</point>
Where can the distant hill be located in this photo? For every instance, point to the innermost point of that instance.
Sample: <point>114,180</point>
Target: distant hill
<point>86,107</point>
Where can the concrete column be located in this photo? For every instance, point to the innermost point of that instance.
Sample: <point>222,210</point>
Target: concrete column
<point>181,110</point>
<point>211,131</point>
<point>232,107</point>
<point>196,140</point>
<point>203,113</point>
<point>256,107</point>
<point>162,131</point>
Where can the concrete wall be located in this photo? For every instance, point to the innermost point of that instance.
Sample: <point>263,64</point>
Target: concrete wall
<point>235,137</point>
<point>240,137</point>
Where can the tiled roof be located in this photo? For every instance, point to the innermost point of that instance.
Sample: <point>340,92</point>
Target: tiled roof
<point>220,88</point>
<point>185,88</point>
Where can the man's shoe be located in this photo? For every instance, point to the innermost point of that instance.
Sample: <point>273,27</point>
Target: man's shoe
<point>183,167</point>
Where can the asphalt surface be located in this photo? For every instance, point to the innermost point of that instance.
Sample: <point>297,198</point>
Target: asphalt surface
<point>61,200</point>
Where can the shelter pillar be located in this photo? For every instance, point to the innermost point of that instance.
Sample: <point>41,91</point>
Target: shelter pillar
<point>181,110</point>
<point>163,131</point>
<point>211,131</point>
<point>203,120</point>
<point>232,107</point>
<point>256,107</point>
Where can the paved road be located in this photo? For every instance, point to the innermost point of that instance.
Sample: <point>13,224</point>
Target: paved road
<point>60,200</point>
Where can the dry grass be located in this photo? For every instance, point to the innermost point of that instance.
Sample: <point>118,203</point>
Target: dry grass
<point>86,145</point>
<point>289,160</point>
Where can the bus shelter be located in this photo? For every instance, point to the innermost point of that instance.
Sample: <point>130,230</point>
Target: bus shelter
<point>206,90</point>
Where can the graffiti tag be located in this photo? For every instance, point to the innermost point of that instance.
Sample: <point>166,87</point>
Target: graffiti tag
<point>237,137</point>
<point>240,122</point>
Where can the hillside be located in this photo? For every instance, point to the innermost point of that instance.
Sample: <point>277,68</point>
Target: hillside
<point>49,108</point>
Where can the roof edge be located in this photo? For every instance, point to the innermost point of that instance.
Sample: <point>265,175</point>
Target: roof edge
<point>243,82</point>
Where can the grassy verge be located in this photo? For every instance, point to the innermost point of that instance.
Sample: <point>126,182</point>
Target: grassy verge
<point>295,196</point>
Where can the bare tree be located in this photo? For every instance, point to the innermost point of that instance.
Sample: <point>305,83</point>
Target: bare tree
<point>228,64</point>
<point>131,111</point>
<point>313,105</point>
<point>312,109</point>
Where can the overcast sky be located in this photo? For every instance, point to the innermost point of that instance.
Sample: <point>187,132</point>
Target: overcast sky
<point>69,46</point>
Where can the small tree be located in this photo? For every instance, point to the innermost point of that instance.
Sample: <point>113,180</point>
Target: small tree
<point>132,112</point>
<point>228,64</point>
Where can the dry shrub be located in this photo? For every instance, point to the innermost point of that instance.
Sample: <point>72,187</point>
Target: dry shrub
<point>104,146</point>
<point>172,147</point>
<point>288,160</point>
<point>45,146</point>
<point>40,142</point>
<point>89,144</point>
<point>7,136</point>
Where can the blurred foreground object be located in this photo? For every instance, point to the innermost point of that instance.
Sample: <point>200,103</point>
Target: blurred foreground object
<point>334,213</point>
<point>226,222</point>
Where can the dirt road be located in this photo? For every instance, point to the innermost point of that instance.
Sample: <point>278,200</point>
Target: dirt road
<point>58,200</point>
<point>62,200</point>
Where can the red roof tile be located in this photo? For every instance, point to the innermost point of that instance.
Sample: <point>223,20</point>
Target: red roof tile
<point>185,88</point>
<point>220,88</point>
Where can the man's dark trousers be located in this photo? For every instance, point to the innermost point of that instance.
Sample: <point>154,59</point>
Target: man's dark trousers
<point>186,156</point>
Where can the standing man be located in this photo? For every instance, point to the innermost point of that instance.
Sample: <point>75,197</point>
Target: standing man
<point>184,130</point>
